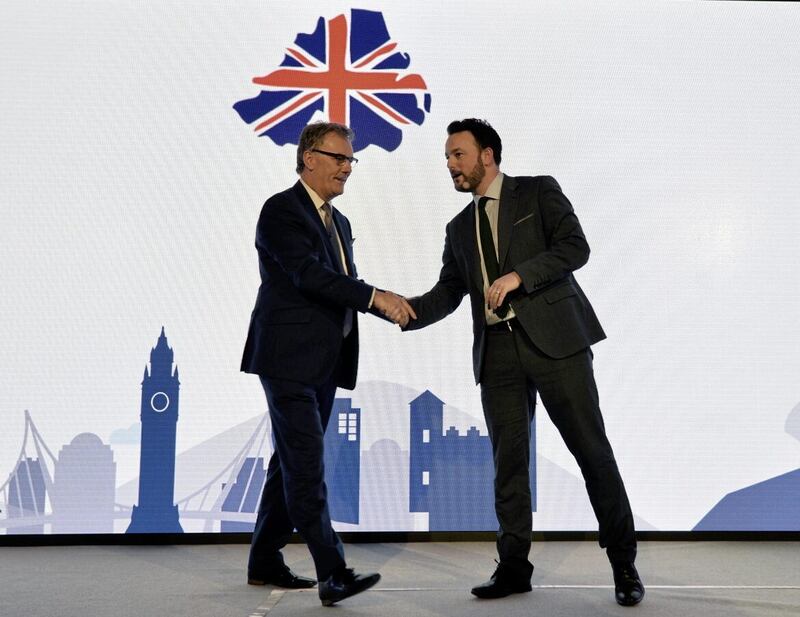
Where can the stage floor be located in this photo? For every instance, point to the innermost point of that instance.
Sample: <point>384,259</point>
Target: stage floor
<point>428,579</point>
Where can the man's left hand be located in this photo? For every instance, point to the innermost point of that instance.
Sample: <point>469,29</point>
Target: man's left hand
<point>496,294</point>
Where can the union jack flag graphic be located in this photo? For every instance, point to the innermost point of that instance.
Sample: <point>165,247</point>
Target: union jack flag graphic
<point>347,71</point>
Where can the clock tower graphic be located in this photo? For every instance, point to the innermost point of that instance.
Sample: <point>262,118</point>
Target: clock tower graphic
<point>156,511</point>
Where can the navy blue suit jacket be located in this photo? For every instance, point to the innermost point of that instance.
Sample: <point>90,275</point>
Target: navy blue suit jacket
<point>540,238</point>
<point>297,324</point>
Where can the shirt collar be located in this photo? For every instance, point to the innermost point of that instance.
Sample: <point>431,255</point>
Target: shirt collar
<point>318,201</point>
<point>493,192</point>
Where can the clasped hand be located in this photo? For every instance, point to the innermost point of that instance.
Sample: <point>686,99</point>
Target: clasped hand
<point>497,292</point>
<point>394,307</point>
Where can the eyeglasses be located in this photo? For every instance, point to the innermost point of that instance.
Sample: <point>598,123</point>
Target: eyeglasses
<point>341,159</point>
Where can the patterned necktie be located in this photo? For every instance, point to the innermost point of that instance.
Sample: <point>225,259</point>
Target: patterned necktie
<point>489,252</point>
<point>334,238</point>
<point>332,235</point>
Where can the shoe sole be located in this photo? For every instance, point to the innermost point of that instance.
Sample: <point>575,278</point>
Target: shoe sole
<point>332,601</point>
<point>261,583</point>
<point>495,597</point>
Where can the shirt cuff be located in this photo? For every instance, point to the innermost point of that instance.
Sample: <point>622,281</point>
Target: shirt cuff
<point>371,299</point>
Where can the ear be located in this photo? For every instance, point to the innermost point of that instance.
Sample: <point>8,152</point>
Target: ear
<point>308,160</point>
<point>487,156</point>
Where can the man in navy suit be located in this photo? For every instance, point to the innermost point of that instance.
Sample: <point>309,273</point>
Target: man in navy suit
<point>513,250</point>
<point>303,344</point>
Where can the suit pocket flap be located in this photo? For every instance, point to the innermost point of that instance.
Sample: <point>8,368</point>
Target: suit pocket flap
<point>289,315</point>
<point>559,293</point>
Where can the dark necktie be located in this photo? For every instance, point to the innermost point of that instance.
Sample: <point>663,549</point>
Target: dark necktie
<point>334,238</point>
<point>489,252</point>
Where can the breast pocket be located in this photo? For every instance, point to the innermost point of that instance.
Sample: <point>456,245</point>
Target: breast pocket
<point>523,219</point>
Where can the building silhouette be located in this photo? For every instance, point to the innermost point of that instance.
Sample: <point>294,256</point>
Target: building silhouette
<point>451,476</point>
<point>384,473</point>
<point>26,496</point>
<point>342,472</point>
<point>156,511</point>
<point>84,487</point>
<point>343,461</point>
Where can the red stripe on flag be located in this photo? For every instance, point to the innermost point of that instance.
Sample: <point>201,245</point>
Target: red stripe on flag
<point>288,110</point>
<point>383,50</point>
<point>373,101</point>
<point>301,58</point>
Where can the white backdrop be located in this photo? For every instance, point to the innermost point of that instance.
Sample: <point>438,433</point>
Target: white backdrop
<point>130,189</point>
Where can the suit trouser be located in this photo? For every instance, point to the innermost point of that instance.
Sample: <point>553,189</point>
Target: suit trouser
<point>295,495</point>
<point>514,371</point>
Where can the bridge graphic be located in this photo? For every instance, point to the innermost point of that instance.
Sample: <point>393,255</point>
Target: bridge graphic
<point>32,500</point>
<point>39,496</point>
<point>76,490</point>
<point>25,494</point>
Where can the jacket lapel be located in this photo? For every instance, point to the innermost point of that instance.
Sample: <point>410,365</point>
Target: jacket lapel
<point>509,201</point>
<point>311,211</point>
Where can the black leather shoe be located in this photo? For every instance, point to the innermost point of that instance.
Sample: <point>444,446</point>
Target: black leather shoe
<point>344,583</point>
<point>281,576</point>
<point>628,587</point>
<point>503,582</point>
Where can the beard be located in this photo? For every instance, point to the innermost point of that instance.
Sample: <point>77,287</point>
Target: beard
<point>471,180</point>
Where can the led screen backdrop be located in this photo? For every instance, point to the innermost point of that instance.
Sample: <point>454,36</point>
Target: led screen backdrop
<point>139,141</point>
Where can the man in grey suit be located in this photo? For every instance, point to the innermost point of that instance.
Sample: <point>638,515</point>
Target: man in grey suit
<point>513,249</point>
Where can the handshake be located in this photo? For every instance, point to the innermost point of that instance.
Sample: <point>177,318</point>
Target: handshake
<point>393,307</point>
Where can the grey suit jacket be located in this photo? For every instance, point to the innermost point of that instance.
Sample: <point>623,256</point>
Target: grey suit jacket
<point>540,238</point>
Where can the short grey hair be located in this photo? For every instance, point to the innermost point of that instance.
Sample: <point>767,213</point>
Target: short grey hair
<point>314,133</point>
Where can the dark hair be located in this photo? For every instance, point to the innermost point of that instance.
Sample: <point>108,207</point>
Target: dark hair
<point>314,133</point>
<point>482,131</point>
